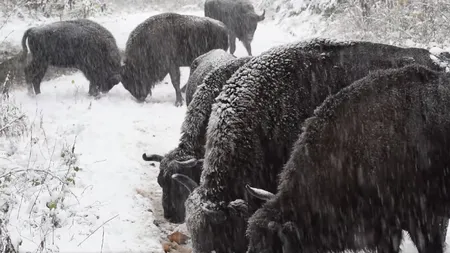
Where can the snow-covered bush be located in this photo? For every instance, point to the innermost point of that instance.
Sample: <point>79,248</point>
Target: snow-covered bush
<point>64,9</point>
<point>403,22</point>
<point>407,22</point>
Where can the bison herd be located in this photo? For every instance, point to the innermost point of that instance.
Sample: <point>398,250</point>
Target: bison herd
<point>158,46</point>
<point>317,145</point>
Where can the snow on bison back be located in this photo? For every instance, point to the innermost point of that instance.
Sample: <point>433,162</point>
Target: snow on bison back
<point>372,160</point>
<point>162,44</point>
<point>81,44</point>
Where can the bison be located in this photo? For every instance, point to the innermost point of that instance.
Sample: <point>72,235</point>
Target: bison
<point>187,158</point>
<point>257,119</point>
<point>201,66</point>
<point>370,161</point>
<point>81,44</point>
<point>162,44</point>
<point>240,18</point>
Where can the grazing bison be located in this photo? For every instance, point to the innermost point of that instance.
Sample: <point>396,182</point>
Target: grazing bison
<point>203,65</point>
<point>240,18</point>
<point>162,44</point>
<point>257,119</point>
<point>81,44</point>
<point>372,159</point>
<point>187,158</point>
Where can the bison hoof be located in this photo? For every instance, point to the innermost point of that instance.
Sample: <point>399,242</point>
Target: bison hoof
<point>178,103</point>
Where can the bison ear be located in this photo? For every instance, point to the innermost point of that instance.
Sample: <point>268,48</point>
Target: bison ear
<point>262,16</point>
<point>215,216</point>
<point>239,207</point>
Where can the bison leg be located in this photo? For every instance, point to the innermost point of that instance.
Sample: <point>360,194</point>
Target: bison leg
<point>93,90</point>
<point>232,41</point>
<point>248,46</point>
<point>443,225</point>
<point>175,78</point>
<point>427,235</point>
<point>390,241</point>
<point>34,73</point>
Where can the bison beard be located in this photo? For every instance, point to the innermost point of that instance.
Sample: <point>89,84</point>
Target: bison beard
<point>81,44</point>
<point>239,16</point>
<point>192,142</point>
<point>367,162</point>
<point>162,44</point>
<point>257,119</point>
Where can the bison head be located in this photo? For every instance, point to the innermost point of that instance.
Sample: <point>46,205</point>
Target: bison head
<point>174,194</point>
<point>131,82</point>
<point>249,25</point>
<point>213,225</point>
<point>110,82</point>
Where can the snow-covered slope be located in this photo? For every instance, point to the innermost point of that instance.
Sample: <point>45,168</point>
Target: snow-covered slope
<point>106,172</point>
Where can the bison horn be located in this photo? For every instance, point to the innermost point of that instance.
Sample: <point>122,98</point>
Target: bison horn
<point>262,16</point>
<point>216,217</point>
<point>188,163</point>
<point>259,193</point>
<point>154,158</point>
<point>186,181</point>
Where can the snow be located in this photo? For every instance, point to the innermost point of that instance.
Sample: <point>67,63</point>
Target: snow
<point>112,202</point>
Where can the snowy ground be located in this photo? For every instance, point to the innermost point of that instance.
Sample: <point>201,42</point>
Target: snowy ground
<point>112,203</point>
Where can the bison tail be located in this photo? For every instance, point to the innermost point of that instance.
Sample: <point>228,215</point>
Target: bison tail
<point>24,44</point>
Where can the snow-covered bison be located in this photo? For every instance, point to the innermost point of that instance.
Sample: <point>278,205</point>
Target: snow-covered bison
<point>162,44</point>
<point>240,18</point>
<point>257,119</point>
<point>187,158</point>
<point>371,161</point>
<point>81,44</point>
<point>202,66</point>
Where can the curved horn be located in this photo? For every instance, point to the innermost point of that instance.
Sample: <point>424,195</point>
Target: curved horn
<point>215,216</point>
<point>189,163</point>
<point>153,157</point>
<point>186,181</point>
<point>259,193</point>
<point>262,16</point>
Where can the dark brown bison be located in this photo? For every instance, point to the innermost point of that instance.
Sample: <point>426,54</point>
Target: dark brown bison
<point>81,44</point>
<point>240,18</point>
<point>187,158</point>
<point>371,161</point>
<point>257,119</point>
<point>162,44</point>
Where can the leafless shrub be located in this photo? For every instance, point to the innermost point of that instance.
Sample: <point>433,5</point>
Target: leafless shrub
<point>422,22</point>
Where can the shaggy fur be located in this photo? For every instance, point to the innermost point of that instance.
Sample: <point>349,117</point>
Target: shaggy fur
<point>162,44</point>
<point>81,44</point>
<point>257,119</point>
<point>192,141</point>
<point>201,66</point>
<point>239,16</point>
<point>372,155</point>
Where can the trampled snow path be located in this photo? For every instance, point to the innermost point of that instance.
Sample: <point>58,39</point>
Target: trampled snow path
<point>111,134</point>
